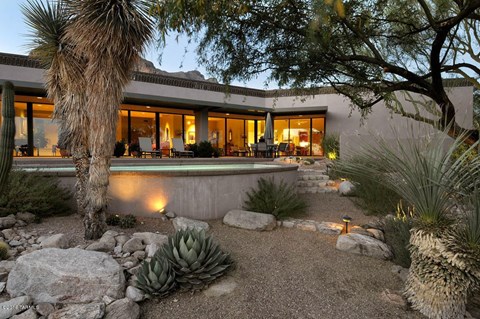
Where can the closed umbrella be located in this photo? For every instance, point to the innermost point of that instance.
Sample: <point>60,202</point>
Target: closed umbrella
<point>268,135</point>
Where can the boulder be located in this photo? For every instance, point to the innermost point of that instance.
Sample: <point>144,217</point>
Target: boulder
<point>150,238</point>
<point>66,275</point>
<point>121,239</point>
<point>6,265</point>
<point>151,249</point>
<point>55,241</point>
<point>377,233</point>
<point>359,230</point>
<point>26,217</point>
<point>363,245</point>
<point>45,308</point>
<point>134,294</point>
<point>221,288</point>
<point>80,311</point>
<point>7,222</point>
<point>14,306</point>
<point>9,233</point>
<point>29,314</point>
<point>100,246</point>
<point>346,188</point>
<point>108,240</point>
<point>330,228</point>
<point>133,244</point>
<point>250,220</point>
<point>123,309</point>
<point>182,223</point>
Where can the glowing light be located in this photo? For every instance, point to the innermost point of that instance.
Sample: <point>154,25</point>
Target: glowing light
<point>346,219</point>
<point>332,155</point>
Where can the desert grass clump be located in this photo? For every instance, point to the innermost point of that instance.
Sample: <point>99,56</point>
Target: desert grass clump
<point>278,199</point>
<point>35,193</point>
<point>4,250</point>
<point>397,236</point>
<point>195,258</point>
<point>429,178</point>
<point>128,221</point>
<point>113,220</point>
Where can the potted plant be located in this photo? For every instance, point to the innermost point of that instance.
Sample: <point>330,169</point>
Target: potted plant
<point>119,149</point>
<point>134,149</point>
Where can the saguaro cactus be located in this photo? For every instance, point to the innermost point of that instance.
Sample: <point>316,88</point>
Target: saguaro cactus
<point>7,136</point>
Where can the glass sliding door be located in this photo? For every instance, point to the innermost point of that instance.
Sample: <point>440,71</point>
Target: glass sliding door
<point>318,129</point>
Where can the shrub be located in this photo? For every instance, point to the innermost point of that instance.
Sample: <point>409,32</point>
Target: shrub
<point>194,148</point>
<point>195,259</point>
<point>113,220</point>
<point>331,145</point>
<point>397,236</point>
<point>205,149</point>
<point>156,277</point>
<point>279,199</point>
<point>4,250</point>
<point>119,149</point>
<point>128,221</point>
<point>32,192</point>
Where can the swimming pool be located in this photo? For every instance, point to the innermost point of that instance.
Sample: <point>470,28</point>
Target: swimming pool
<point>199,191</point>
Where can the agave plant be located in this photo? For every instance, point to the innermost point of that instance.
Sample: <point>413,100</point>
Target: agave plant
<point>195,258</point>
<point>443,270</point>
<point>156,277</point>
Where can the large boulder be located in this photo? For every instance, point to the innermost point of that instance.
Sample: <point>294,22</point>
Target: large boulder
<point>182,223</point>
<point>363,245</point>
<point>66,275</point>
<point>14,306</point>
<point>249,220</point>
<point>55,241</point>
<point>133,244</point>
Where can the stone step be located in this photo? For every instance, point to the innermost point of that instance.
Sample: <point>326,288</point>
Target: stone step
<point>315,190</point>
<point>311,183</point>
<point>311,177</point>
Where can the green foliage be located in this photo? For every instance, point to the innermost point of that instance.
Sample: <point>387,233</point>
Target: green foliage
<point>119,149</point>
<point>371,194</point>
<point>194,148</point>
<point>4,250</point>
<point>156,277</point>
<point>331,145</point>
<point>7,134</point>
<point>195,258</point>
<point>35,193</point>
<point>469,231</point>
<point>397,236</point>
<point>205,149</point>
<point>278,199</point>
<point>113,220</point>
<point>128,221</point>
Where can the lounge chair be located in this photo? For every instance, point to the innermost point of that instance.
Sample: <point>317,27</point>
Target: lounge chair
<point>146,147</point>
<point>178,149</point>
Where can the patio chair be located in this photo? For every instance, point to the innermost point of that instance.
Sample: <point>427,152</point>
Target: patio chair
<point>261,150</point>
<point>283,148</point>
<point>178,149</point>
<point>146,147</point>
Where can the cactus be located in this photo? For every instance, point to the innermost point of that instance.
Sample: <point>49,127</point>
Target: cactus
<point>7,135</point>
<point>4,250</point>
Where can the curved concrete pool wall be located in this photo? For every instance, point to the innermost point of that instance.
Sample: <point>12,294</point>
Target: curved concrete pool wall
<point>204,194</point>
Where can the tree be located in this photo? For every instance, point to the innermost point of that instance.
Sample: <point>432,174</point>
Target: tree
<point>90,47</point>
<point>369,51</point>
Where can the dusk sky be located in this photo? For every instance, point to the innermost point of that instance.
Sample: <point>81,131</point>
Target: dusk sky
<point>14,39</point>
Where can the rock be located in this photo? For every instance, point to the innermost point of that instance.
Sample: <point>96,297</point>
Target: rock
<point>110,233</point>
<point>250,220</point>
<point>133,244</point>
<point>6,265</point>
<point>346,188</point>
<point>41,238</point>
<point>123,309</point>
<point>9,233</point>
<point>80,311</point>
<point>14,306</point>
<point>306,225</point>
<point>26,217</point>
<point>100,246</point>
<point>221,288</point>
<point>45,308</point>
<point>55,241</point>
<point>134,270</point>
<point>20,223</point>
<point>14,243</point>
<point>151,249</point>
<point>394,298</point>
<point>140,255</point>
<point>109,241</point>
<point>66,275</point>
<point>107,300</point>
<point>150,238</point>
<point>2,286</point>
<point>118,250</point>
<point>288,223</point>
<point>377,233</point>
<point>363,245</point>
<point>121,239</point>
<point>330,228</point>
<point>359,230</point>
<point>134,294</point>
<point>171,215</point>
<point>182,223</point>
<point>7,222</point>
<point>29,314</point>
<point>129,264</point>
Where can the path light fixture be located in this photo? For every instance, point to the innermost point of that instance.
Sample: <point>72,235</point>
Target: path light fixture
<point>161,210</point>
<point>346,219</point>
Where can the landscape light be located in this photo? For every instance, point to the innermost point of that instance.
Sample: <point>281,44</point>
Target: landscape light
<point>346,219</point>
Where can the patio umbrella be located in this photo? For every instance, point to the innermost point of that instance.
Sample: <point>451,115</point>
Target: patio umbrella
<point>268,135</point>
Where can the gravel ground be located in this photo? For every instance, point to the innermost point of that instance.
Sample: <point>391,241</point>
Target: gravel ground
<point>285,273</point>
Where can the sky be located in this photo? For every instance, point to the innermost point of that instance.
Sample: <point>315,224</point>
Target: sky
<point>14,39</point>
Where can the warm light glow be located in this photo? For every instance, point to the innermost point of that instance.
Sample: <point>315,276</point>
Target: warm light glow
<point>158,204</point>
<point>332,155</point>
<point>148,107</point>
<point>189,122</point>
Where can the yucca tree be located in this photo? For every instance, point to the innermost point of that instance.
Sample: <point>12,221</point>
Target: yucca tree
<point>443,270</point>
<point>64,82</point>
<point>110,35</point>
